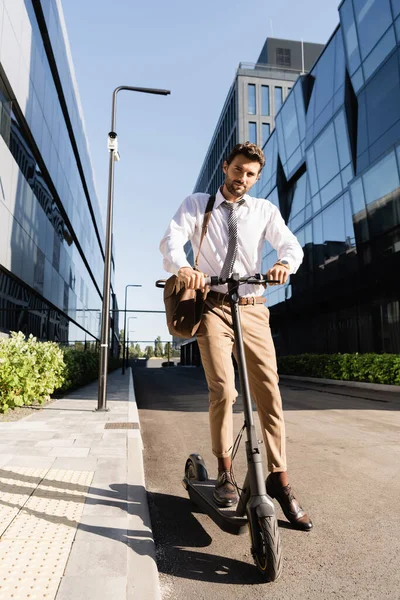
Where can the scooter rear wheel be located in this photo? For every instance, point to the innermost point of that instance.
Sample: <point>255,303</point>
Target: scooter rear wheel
<point>268,558</point>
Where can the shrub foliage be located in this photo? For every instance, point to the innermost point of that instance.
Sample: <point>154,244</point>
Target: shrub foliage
<point>370,368</point>
<point>31,371</point>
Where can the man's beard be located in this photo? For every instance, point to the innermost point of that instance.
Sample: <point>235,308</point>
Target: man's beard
<point>236,190</point>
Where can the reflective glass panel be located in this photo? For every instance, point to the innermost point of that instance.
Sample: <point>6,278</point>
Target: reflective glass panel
<point>397,27</point>
<point>324,81</point>
<point>265,109</point>
<point>253,132</point>
<point>301,113</point>
<point>281,138</point>
<point>332,189</point>
<point>348,221</point>
<point>268,172</point>
<point>381,179</point>
<point>251,99</point>
<point>265,132</point>
<point>357,196</point>
<point>348,28</point>
<point>312,171</point>
<point>342,140</point>
<point>316,203</point>
<point>373,18</point>
<point>278,98</point>
<point>299,195</point>
<point>326,156</point>
<point>396,7</point>
<point>274,198</point>
<point>357,79</point>
<point>340,61</point>
<point>383,99</point>
<point>379,53</point>
<point>333,222</point>
<point>318,235</point>
<point>290,127</point>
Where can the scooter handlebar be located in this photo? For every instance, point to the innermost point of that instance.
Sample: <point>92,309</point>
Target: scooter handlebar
<point>253,279</point>
<point>215,280</point>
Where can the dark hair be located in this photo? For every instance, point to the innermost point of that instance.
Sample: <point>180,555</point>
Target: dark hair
<point>250,151</point>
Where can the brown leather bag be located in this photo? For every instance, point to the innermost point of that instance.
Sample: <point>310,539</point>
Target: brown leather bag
<point>184,308</point>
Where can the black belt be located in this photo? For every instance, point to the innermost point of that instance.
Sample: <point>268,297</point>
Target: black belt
<point>243,300</point>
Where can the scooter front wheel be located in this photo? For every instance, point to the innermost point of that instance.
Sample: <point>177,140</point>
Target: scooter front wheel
<point>268,556</point>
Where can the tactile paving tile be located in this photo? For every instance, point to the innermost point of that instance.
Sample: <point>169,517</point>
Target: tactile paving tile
<point>7,514</point>
<point>38,535</point>
<point>38,526</point>
<point>18,588</point>
<point>21,559</point>
<point>60,482</point>
<point>17,484</point>
<point>54,509</point>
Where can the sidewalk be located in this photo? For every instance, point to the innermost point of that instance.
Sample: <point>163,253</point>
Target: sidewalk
<point>74,520</point>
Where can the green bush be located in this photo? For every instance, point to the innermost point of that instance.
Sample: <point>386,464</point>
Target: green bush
<point>370,368</point>
<point>82,367</point>
<point>30,371</point>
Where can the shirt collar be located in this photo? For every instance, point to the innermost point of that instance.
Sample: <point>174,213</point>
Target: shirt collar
<point>219,199</point>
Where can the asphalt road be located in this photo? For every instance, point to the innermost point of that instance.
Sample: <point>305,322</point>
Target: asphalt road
<point>344,463</point>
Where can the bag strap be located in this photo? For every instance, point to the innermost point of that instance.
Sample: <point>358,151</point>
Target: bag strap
<point>206,220</point>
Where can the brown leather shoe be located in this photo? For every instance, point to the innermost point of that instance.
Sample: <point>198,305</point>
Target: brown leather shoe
<point>225,493</point>
<point>289,504</point>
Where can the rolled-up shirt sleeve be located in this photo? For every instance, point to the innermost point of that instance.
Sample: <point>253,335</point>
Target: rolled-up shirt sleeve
<point>179,231</point>
<point>283,241</point>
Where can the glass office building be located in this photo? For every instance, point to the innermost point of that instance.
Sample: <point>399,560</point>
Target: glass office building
<point>333,169</point>
<point>51,232</point>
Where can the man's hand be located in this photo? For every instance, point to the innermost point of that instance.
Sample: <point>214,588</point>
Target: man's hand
<point>279,273</point>
<point>193,280</point>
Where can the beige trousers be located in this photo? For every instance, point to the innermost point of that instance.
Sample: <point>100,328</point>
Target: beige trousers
<point>216,343</point>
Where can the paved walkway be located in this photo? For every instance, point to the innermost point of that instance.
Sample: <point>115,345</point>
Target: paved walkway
<point>74,521</point>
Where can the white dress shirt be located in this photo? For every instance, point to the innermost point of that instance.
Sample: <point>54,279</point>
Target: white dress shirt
<point>258,221</point>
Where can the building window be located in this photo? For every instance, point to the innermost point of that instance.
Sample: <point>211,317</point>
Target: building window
<point>373,19</point>
<point>253,132</point>
<point>283,57</point>
<point>266,130</point>
<point>278,99</point>
<point>265,100</point>
<point>251,99</point>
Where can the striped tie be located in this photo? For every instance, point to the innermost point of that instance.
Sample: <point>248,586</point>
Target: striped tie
<point>229,263</point>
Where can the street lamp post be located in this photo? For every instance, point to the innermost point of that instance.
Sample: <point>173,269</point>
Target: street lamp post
<point>105,317</point>
<point>124,347</point>
<point>127,345</point>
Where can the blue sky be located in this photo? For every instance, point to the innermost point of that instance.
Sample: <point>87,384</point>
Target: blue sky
<point>193,49</point>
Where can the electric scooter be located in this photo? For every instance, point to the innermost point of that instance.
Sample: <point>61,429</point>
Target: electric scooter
<point>255,510</point>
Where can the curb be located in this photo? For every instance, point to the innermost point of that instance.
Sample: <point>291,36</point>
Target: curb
<point>143,577</point>
<point>357,384</point>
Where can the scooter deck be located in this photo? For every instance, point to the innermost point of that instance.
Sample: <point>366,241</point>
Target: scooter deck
<point>201,493</point>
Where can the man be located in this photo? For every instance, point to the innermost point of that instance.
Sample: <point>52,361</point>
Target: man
<point>234,242</point>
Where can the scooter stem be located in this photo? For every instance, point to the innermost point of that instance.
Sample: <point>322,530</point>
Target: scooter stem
<point>233,288</point>
<point>255,471</point>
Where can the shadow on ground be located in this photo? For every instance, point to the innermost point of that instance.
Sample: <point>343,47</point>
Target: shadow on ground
<point>185,389</point>
<point>180,533</point>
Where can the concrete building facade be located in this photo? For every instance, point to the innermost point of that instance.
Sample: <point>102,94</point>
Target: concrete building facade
<point>255,97</point>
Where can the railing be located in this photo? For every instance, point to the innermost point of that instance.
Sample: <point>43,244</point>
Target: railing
<point>262,66</point>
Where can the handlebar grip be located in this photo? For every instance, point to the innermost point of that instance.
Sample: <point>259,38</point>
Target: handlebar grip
<point>160,283</point>
<point>211,280</point>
